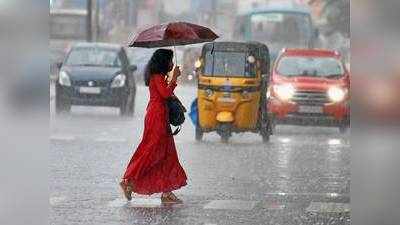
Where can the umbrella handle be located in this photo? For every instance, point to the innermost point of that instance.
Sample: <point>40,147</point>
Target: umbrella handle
<point>176,56</point>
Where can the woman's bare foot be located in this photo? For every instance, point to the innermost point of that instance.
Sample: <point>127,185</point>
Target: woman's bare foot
<point>170,198</point>
<point>126,189</point>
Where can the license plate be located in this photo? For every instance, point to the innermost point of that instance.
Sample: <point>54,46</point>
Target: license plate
<point>310,109</point>
<point>89,90</point>
<point>227,100</point>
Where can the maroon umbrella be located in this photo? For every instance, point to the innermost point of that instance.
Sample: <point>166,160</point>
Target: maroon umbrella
<point>172,34</point>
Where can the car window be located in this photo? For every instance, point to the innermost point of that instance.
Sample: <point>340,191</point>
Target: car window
<point>93,57</point>
<point>310,66</point>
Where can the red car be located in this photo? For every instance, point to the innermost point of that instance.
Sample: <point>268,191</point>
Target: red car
<point>310,87</point>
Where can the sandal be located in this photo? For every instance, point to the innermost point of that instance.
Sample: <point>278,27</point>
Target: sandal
<point>126,189</point>
<point>170,198</point>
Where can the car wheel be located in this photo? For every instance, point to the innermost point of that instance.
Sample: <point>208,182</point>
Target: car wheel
<point>62,106</point>
<point>131,111</point>
<point>123,108</point>
<point>343,129</point>
<point>198,134</point>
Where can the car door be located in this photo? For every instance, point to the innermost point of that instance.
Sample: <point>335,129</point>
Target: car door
<point>125,69</point>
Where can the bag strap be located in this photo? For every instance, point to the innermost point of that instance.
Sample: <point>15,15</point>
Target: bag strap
<point>177,130</point>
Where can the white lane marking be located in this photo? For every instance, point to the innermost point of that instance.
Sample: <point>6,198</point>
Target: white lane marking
<point>328,207</point>
<point>117,203</point>
<point>145,203</point>
<point>62,137</point>
<point>330,195</point>
<point>57,200</point>
<point>231,205</point>
<point>285,140</point>
<point>334,141</point>
<point>136,203</point>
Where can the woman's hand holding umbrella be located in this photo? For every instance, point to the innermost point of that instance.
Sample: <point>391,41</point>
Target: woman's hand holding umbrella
<point>175,74</point>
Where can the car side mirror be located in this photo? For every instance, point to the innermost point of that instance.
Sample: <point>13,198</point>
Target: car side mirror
<point>59,65</point>
<point>132,68</point>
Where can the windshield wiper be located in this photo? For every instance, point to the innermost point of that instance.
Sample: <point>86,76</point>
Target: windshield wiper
<point>333,75</point>
<point>93,65</point>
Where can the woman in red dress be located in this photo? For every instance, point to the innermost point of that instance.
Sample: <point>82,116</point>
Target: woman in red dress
<point>154,167</point>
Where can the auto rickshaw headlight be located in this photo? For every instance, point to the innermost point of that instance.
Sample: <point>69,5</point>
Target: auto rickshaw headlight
<point>284,91</point>
<point>209,92</point>
<point>245,94</point>
<point>197,64</point>
<point>336,94</point>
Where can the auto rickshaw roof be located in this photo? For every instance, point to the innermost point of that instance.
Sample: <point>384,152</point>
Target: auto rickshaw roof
<point>235,46</point>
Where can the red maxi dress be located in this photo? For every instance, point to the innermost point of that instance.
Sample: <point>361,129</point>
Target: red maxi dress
<point>154,167</point>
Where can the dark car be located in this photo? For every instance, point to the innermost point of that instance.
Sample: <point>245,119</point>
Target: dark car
<point>96,74</point>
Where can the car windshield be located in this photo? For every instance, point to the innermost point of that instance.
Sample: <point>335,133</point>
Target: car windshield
<point>292,29</point>
<point>139,56</point>
<point>310,66</point>
<point>231,64</point>
<point>93,57</point>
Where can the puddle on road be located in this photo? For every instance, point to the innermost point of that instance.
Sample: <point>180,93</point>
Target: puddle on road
<point>231,205</point>
<point>328,207</point>
<point>141,203</point>
<point>57,200</point>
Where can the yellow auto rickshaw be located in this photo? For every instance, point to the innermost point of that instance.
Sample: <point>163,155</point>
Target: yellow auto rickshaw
<point>232,84</point>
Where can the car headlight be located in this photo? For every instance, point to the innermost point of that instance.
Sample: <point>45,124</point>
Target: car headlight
<point>197,64</point>
<point>63,79</point>
<point>336,94</point>
<point>284,91</point>
<point>118,81</point>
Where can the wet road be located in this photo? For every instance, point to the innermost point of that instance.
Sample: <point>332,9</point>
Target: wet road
<point>301,177</point>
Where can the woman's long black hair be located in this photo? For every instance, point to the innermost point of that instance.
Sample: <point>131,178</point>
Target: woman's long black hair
<point>160,63</point>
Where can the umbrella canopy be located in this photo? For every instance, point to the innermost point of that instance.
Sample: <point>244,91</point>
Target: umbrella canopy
<point>173,34</point>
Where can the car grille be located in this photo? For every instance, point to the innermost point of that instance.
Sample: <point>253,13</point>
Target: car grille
<point>310,98</point>
<point>96,83</point>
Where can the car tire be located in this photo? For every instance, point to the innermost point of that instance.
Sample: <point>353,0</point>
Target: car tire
<point>198,134</point>
<point>343,129</point>
<point>61,105</point>
<point>123,108</point>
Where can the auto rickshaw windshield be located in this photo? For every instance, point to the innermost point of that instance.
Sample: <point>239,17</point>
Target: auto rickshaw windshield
<point>229,64</point>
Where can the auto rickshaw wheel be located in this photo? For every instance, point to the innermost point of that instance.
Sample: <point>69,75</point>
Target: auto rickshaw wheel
<point>225,132</point>
<point>198,134</point>
<point>225,138</point>
<point>265,136</point>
